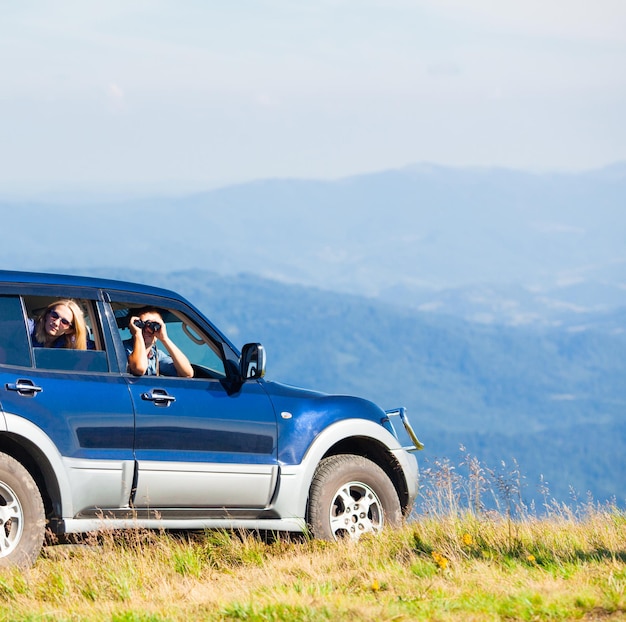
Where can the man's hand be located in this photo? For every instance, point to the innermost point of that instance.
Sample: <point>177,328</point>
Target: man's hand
<point>161,334</point>
<point>134,329</point>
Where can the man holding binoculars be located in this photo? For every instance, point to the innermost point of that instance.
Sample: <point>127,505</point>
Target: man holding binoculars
<point>144,358</point>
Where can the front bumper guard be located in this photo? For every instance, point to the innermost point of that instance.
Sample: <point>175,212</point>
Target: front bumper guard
<point>404,433</point>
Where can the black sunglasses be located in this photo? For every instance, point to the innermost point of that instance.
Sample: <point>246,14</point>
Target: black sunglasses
<point>55,316</point>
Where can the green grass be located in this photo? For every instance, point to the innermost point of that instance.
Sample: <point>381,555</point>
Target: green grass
<point>455,561</point>
<point>460,567</point>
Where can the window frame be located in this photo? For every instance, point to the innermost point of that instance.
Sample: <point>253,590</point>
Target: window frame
<point>24,329</point>
<point>91,297</point>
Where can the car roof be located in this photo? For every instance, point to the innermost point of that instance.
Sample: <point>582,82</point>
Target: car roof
<point>16,277</point>
<point>45,278</point>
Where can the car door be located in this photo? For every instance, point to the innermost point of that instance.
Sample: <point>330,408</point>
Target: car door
<point>199,446</point>
<point>75,399</point>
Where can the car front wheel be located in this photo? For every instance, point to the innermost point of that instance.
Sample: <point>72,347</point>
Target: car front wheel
<point>22,517</point>
<point>350,496</point>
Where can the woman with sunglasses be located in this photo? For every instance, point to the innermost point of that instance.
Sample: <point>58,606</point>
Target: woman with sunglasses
<point>61,325</point>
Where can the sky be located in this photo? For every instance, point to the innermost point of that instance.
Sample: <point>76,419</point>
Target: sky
<point>190,94</point>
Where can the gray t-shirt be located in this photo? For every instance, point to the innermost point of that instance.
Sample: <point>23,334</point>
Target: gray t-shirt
<point>166,365</point>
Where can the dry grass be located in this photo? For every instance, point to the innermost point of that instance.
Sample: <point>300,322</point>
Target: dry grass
<point>456,561</point>
<point>458,568</point>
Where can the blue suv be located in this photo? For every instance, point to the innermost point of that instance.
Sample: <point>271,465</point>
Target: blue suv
<point>86,445</point>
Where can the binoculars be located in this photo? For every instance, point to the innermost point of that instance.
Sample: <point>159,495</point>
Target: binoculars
<point>151,325</point>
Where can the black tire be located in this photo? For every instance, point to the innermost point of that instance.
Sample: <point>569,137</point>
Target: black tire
<point>349,496</point>
<point>22,516</point>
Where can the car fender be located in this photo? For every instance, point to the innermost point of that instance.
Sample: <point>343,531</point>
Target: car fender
<point>296,479</point>
<point>18,426</point>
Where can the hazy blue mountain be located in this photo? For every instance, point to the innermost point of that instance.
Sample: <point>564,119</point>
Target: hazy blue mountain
<point>490,245</point>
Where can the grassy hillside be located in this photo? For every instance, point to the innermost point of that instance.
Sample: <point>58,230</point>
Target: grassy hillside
<point>444,567</point>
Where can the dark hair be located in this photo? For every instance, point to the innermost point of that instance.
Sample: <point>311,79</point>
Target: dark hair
<point>146,309</point>
<point>141,310</point>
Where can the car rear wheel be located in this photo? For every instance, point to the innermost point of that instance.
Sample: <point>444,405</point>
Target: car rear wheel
<point>350,496</point>
<point>22,517</point>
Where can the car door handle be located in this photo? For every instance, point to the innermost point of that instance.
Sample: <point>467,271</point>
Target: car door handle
<point>23,387</point>
<point>159,397</point>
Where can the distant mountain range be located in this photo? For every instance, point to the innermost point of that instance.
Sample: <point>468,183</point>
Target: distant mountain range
<point>491,303</point>
<point>489,245</point>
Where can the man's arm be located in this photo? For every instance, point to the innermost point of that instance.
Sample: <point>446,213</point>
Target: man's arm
<point>138,358</point>
<point>181,362</point>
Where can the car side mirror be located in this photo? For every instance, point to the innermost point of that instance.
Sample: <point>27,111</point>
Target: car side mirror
<point>252,361</point>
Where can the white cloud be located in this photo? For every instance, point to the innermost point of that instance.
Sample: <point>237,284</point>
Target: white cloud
<point>265,100</point>
<point>558,228</point>
<point>576,19</point>
<point>362,85</point>
<point>563,397</point>
<point>116,96</point>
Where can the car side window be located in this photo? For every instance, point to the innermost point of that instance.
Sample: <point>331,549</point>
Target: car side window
<point>59,356</point>
<point>14,343</point>
<point>204,354</point>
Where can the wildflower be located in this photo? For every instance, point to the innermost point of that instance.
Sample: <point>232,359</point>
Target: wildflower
<point>531,559</point>
<point>467,539</point>
<point>440,560</point>
<point>375,585</point>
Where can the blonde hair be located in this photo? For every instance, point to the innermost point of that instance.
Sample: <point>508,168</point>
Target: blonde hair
<point>75,337</point>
